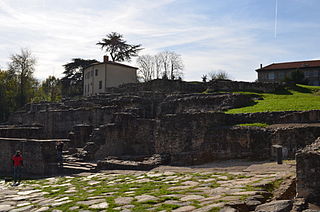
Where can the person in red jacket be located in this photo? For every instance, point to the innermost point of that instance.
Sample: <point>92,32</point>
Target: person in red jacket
<point>17,166</point>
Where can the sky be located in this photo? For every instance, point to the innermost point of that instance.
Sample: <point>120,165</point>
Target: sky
<point>234,36</point>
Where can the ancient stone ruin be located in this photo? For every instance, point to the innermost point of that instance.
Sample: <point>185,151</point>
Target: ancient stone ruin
<point>308,172</point>
<point>162,121</point>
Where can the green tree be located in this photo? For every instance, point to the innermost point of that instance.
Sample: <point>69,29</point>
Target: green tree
<point>118,48</point>
<point>49,90</point>
<point>52,88</point>
<point>21,66</point>
<point>72,82</point>
<point>8,94</point>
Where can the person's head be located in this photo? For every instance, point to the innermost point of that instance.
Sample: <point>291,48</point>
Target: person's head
<point>18,152</point>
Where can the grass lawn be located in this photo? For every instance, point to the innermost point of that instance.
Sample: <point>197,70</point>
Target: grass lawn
<point>298,98</point>
<point>254,124</point>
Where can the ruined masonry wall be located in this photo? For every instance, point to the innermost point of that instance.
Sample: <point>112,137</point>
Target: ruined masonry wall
<point>128,136</point>
<point>195,87</point>
<point>21,132</point>
<point>39,156</point>
<point>57,124</point>
<point>308,173</point>
<point>198,138</point>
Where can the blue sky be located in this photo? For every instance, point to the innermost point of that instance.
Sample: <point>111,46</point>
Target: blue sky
<point>235,36</point>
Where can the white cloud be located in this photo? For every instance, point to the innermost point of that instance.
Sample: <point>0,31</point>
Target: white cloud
<point>68,29</point>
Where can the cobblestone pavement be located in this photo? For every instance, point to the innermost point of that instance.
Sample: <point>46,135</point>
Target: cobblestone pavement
<point>200,189</point>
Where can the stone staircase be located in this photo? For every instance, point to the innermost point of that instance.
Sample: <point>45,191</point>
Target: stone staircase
<point>141,162</point>
<point>73,165</point>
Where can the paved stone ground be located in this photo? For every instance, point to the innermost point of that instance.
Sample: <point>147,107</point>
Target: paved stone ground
<point>203,188</point>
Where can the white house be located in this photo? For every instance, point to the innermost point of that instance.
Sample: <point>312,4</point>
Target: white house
<point>99,76</point>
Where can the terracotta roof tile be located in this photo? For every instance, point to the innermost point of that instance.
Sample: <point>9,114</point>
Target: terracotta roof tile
<point>291,65</point>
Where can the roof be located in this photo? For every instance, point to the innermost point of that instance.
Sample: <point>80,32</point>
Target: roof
<point>291,65</point>
<point>112,63</point>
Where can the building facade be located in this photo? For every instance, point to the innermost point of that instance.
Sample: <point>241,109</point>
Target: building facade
<point>100,76</point>
<point>278,72</point>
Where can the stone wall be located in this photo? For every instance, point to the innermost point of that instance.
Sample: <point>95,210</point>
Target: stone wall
<point>194,144</point>
<point>178,86</point>
<point>151,100</point>
<point>308,173</point>
<point>294,137</point>
<point>228,85</point>
<point>39,156</point>
<point>186,103</point>
<point>281,117</point>
<point>21,132</point>
<point>158,85</point>
<point>197,138</point>
<point>127,136</point>
<point>80,135</point>
<point>58,123</point>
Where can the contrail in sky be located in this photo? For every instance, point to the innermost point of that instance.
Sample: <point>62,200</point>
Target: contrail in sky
<point>276,20</point>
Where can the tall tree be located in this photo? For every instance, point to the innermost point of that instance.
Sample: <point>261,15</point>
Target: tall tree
<point>8,94</point>
<point>52,88</point>
<point>176,65</point>
<point>165,61</point>
<point>158,65</point>
<point>118,48</point>
<point>146,65</point>
<point>22,66</point>
<point>168,64</point>
<point>72,82</point>
<point>172,64</point>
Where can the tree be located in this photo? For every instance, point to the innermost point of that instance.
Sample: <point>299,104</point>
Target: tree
<point>72,82</point>
<point>172,64</point>
<point>22,66</point>
<point>8,94</point>
<point>158,65</point>
<point>167,64</point>
<point>147,66</point>
<point>204,78</point>
<point>219,75</point>
<point>118,48</point>
<point>176,65</point>
<point>52,88</point>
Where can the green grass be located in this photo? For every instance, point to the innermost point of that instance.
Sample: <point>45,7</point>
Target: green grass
<point>158,187</point>
<point>167,207</point>
<point>297,98</point>
<point>253,125</point>
<point>215,209</point>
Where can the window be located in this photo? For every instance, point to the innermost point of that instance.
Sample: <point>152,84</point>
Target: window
<point>271,76</point>
<point>308,74</point>
<point>92,73</point>
<point>100,84</point>
<point>97,72</point>
<point>281,75</point>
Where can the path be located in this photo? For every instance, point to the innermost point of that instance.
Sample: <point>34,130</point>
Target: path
<point>199,188</point>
